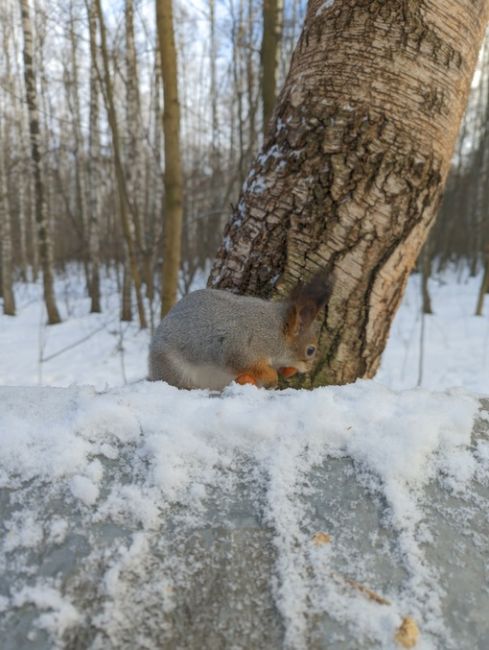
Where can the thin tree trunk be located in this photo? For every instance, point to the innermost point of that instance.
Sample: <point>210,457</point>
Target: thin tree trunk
<point>94,180</point>
<point>484,286</point>
<point>22,147</point>
<point>43,235</point>
<point>135,138</point>
<point>119,171</point>
<point>350,177</point>
<point>126,308</point>
<point>270,56</point>
<point>172,234</point>
<point>425,276</point>
<point>237,38</point>
<point>80,179</point>
<point>250,82</point>
<point>5,230</point>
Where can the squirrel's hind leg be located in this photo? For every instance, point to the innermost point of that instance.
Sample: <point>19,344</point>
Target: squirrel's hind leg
<point>260,374</point>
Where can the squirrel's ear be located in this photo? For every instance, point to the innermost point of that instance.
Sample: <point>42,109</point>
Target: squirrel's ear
<point>305,301</point>
<point>299,318</point>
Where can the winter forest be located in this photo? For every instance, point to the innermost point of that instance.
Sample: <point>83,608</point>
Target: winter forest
<point>98,206</point>
<point>312,470</point>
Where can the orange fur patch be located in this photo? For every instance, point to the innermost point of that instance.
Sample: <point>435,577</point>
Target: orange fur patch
<point>287,372</point>
<point>245,378</point>
<point>260,374</point>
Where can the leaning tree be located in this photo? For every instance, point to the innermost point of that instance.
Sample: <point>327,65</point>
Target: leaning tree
<point>352,169</point>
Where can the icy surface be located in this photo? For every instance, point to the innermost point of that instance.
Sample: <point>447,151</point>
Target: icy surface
<point>110,477</point>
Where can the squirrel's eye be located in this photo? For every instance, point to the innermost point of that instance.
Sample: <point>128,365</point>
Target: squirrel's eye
<point>310,350</point>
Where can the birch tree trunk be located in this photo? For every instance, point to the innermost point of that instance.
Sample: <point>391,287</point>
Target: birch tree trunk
<point>351,175</point>
<point>5,230</point>
<point>270,53</point>
<point>19,123</point>
<point>172,225</point>
<point>127,226</point>
<point>135,138</point>
<point>484,286</point>
<point>73,97</point>
<point>43,234</point>
<point>94,180</point>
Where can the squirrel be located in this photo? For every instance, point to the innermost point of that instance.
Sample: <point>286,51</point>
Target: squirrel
<point>212,337</point>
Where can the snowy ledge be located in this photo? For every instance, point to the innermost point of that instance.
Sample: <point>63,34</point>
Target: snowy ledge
<point>147,517</point>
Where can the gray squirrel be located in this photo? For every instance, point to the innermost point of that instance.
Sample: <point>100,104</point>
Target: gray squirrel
<point>212,337</point>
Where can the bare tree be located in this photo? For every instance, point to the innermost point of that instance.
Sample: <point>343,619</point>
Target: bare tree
<point>94,176</point>
<point>270,54</point>
<point>173,209</point>
<point>124,207</point>
<point>43,234</point>
<point>5,228</point>
<point>351,174</point>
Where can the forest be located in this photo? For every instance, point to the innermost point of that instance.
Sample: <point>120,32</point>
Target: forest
<point>97,83</point>
<point>93,75</point>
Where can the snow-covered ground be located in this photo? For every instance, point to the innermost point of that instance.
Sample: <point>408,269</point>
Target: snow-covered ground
<point>107,353</point>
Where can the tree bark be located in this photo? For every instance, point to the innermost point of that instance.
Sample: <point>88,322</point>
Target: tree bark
<point>351,175</point>
<point>43,234</point>
<point>173,207</point>
<point>270,53</point>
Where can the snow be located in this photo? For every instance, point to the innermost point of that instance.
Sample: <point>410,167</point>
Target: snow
<point>455,350</point>
<point>455,347</point>
<point>327,4</point>
<point>184,444</point>
<point>60,615</point>
<point>128,455</point>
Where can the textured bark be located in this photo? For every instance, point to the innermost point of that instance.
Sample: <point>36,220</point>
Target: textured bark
<point>173,208</point>
<point>352,172</point>
<point>119,171</point>
<point>270,53</point>
<point>41,212</point>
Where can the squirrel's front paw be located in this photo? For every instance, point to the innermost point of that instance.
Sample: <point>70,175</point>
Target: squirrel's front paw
<point>287,372</point>
<point>260,374</point>
<point>245,378</point>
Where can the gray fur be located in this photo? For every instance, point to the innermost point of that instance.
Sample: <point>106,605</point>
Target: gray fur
<point>211,335</point>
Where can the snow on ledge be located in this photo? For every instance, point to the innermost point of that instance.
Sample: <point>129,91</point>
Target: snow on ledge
<point>178,446</point>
